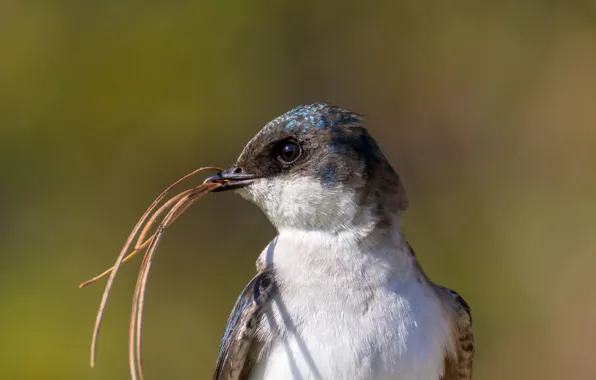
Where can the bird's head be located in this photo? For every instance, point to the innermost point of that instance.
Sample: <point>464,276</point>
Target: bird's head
<point>316,167</point>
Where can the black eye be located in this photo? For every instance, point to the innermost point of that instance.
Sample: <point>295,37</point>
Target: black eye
<point>288,152</point>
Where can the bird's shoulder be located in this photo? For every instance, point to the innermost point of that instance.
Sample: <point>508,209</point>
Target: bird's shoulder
<point>238,345</point>
<point>458,366</point>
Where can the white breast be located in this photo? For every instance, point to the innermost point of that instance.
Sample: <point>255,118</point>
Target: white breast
<point>341,313</point>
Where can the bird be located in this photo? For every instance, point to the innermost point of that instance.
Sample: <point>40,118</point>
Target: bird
<point>339,292</point>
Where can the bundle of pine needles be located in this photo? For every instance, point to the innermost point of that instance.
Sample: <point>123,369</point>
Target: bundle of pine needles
<point>175,207</point>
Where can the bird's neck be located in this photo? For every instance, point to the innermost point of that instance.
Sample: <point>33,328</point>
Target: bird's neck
<point>360,255</point>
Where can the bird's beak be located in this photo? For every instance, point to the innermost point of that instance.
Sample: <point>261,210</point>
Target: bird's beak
<point>233,178</point>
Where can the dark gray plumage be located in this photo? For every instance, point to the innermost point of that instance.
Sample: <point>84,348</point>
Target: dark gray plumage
<point>238,342</point>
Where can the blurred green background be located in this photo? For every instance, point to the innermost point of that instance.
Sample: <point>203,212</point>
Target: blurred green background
<point>487,109</point>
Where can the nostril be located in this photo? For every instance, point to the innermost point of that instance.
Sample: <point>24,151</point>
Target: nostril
<point>237,170</point>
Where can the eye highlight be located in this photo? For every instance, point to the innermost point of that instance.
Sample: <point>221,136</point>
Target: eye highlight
<point>288,152</point>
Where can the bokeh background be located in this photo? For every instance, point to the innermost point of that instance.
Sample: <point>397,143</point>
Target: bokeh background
<point>487,109</point>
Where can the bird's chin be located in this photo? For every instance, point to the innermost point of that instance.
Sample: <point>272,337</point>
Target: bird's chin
<point>258,192</point>
<point>245,193</point>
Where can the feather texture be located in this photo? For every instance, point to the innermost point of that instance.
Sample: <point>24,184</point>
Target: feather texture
<point>460,366</point>
<point>238,342</point>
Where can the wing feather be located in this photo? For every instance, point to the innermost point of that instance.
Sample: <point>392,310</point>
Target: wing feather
<point>238,341</point>
<point>460,366</point>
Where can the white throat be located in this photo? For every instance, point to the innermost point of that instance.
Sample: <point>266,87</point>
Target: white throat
<point>303,203</point>
<point>358,255</point>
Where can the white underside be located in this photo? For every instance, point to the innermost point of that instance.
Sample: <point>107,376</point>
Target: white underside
<point>344,314</point>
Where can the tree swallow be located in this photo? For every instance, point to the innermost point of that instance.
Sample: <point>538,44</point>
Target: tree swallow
<point>339,293</point>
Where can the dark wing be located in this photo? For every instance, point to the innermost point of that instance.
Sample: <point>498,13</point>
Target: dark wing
<point>238,343</point>
<point>460,366</point>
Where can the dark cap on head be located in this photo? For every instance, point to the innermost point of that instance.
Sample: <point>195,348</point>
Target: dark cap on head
<point>328,144</point>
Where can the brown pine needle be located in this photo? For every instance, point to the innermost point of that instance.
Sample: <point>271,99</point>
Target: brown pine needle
<point>136,321</point>
<point>134,356</point>
<point>122,257</point>
<point>108,271</point>
<point>138,246</point>
<point>157,213</point>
